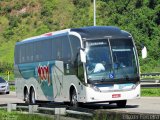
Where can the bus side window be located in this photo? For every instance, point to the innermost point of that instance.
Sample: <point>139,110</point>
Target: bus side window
<point>29,52</point>
<point>37,51</point>
<point>56,48</point>
<point>77,66</point>
<point>66,49</point>
<point>46,50</point>
<point>80,72</point>
<point>17,54</point>
<point>22,54</point>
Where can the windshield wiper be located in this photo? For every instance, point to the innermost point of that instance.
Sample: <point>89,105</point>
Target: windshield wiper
<point>127,77</point>
<point>103,80</point>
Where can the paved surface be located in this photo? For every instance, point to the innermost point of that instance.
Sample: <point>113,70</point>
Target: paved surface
<point>9,98</point>
<point>149,105</point>
<point>142,105</point>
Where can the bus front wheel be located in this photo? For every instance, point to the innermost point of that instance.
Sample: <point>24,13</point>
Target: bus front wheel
<point>121,103</point>
<point>73,99</point>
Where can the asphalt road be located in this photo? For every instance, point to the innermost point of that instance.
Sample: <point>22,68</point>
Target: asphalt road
<point>9,98</point>
<point>142,105</point>
<point>148,105</point>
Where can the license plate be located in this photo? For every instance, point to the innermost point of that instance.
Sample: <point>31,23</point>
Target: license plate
<point>116,95</point>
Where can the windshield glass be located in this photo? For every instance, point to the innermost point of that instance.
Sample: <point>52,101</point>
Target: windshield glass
<point>124,58</point>
<point>111,59</point>
<point>99,63</point>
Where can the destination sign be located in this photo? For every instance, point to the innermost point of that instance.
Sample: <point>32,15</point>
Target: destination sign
<point>96,43</point>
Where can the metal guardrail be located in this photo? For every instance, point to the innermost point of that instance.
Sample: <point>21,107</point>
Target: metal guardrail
<point>150,85</point>
<point>150,82</point>
<point>12,83</point>
<point>150,74</point>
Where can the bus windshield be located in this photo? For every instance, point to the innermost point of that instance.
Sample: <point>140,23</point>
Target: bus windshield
<point>110,60</point>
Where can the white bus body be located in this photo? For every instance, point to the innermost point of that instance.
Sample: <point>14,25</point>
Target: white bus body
<point>50,67</point>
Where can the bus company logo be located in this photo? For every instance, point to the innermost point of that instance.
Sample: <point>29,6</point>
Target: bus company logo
<point>44,73</point>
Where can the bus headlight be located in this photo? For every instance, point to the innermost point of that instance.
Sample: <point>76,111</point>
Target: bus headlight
<point>135,85</point>
<point>95,88</point>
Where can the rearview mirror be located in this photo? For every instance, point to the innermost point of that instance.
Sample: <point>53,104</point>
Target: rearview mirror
<point>83,56</point>
<point>144,52</point>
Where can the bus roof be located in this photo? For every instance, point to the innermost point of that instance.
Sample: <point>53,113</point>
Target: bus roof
<point>91,32</point>
<point>44,36</point>
<point>100,32</point>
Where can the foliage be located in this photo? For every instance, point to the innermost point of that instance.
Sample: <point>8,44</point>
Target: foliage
<point>12,88</point>
<point>152,92</point>
<point>4,66</point>
<point>20,116</point>
<point>23,19</point>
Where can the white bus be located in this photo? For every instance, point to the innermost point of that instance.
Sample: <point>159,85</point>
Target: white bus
<point>81,65</point>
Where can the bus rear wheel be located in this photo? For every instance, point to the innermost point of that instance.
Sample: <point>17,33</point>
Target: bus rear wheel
<point>26,96</point>
<point>32,96</point>
<point>121,103</point>
<point>73,99</point>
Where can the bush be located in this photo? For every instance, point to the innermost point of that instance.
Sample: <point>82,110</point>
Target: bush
<point>6,67</point>
<point>8,9</point>
<point>24,15</point>
<point>8,34</point>
<point>14,21</point>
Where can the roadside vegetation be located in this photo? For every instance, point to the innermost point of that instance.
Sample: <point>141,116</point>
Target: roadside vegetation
<point>26,18</point>
<point>5,76</point>
<point>12,88</point>
<point>21,116</point>
<point>150,92</point>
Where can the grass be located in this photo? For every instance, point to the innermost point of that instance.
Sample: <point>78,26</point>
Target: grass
<point>21,116</point>
<point>150,92</point>
<point>5,76</point>
<point>12,88</point>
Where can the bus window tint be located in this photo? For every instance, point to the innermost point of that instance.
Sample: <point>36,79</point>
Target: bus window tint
<point>22,54</point>
<point>29,52</point>
<point>77,66</point>
<point>99,61</point>
<point>57,48</point>
<point>66,48</point>
<point>47,50</point>
<point>75,45</point>
<point>37,51</point>
<point>124,58</point>
<point>17,54</point>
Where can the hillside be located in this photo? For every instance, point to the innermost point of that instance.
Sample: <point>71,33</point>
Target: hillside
<point>23,19</point>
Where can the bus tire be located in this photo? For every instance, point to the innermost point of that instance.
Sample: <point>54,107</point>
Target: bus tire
<point>66,103</point>
<point>73,99</point>
<point>121,103</point>
<point>26,95</point>
<point>7,92</point>
<point>32,96</point>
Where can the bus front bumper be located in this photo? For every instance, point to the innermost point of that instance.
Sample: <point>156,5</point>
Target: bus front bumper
<point>97,96</point>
